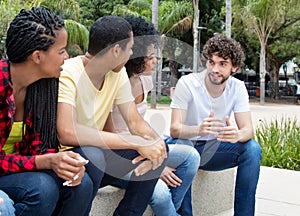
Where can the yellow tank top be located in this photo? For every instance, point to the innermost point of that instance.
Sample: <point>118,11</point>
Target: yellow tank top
<point>14,136</point>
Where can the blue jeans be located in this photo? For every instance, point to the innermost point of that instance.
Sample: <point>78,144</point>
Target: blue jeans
<point>138,189</point>
<point>43,193</point>
<point>166,200</point>
<point>7,206</point>
<point>246,156</point>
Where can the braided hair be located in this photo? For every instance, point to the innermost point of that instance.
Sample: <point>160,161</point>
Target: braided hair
<point>35,30</point>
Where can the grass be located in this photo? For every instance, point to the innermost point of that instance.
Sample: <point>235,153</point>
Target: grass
<point>163,100</point>
<point>280,143</point>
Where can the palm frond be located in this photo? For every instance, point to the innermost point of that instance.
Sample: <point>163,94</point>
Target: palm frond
<point>78,34</point>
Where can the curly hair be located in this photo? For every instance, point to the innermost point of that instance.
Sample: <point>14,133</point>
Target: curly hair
<point>144,34</point>
<point>226,48</point>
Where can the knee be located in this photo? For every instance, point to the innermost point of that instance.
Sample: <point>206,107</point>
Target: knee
<point>84,191</point>
<point>194,157</point>
<point>45,190</point>
<point>161,194</point>
<point>253,150</point>
<point>41,195</point>
<point>95,156</point>
<point>6,205</point>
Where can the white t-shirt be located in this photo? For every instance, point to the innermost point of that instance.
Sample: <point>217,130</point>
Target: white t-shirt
<point>191,95</point>
<point>118,121</point>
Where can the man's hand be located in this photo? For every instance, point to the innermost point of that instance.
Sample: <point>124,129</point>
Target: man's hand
<point>153,150</point>
<point>169,177</point>
<point>211,126</point>
<point>228,133</point>
<point>146,165</point>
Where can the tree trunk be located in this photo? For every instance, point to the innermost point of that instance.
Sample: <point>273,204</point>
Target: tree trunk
<point>262,72</point>
<point>195,36</point>
<point>154,74</point>
<point>274,87</point>
<point>228,17</point>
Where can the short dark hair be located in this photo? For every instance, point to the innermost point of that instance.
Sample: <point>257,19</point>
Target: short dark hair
<point>107,31</point>
<point>144,34</point>
<point>29,31</point>
<point>226,48</point>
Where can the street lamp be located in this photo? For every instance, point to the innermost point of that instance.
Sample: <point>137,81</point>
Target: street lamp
<point>199,50</point>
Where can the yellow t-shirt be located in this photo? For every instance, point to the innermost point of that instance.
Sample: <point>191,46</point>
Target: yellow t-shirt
<point>15,135</point>
<point>92,106</point>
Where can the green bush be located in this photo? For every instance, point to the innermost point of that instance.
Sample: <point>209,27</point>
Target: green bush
<point>163,100</point>
<point>280,143</point>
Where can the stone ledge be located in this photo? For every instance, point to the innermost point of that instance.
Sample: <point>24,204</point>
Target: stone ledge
<point>213,193</point>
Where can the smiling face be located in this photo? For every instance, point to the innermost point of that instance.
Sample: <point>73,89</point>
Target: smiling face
<point>219,69</point>
<point>52,59</point>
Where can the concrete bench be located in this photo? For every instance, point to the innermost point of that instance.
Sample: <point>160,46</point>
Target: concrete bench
<point>212,193</point>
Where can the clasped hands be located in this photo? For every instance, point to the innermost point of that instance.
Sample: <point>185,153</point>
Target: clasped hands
<point>152,156</point>
<point>223,132</point>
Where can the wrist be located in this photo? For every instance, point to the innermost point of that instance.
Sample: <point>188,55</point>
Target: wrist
<point>43,161</point>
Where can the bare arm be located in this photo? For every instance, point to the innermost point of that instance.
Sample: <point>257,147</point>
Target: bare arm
<point>71,133</point>
<point>209,126</point>
<point>138,126</point>
<point>66,165</point>
<point>213,126</point>
<point>178,128</point>
<point>135,122</point>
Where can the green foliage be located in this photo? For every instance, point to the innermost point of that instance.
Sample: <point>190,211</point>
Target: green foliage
<point>172,16</point>
<point>166,100</point>
<point>280,143</point>
<point>90,10</point>
<point>66,9</point>
<point>8,10</point>
<point>78,36</point>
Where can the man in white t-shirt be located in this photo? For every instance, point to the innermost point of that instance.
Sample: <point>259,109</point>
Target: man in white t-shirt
<point>201,107</point>
<point>89,86</point>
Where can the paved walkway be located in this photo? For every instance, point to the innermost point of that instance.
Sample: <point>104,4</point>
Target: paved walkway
<point>278,191</point>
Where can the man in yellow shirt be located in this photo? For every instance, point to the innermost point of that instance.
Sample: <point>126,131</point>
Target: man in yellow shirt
<point>89,86</point>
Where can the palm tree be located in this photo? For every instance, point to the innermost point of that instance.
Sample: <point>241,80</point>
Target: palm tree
<point>228,17</point>
<point>153,92</point>
<point>67,9</point>
<point>174,19</point>
<point>78,36</point>
<point>262,15</point>
<point>195,35</point>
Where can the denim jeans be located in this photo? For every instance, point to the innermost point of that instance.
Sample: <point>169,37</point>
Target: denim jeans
<point>246,156</point>
<point>7,205</point>
<point>95,168</point>
<point>166,200</point>
<point>138,189</point>
<point>43,193</point>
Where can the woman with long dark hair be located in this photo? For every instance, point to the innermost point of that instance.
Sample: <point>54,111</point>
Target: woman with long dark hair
<point>32,170</point>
